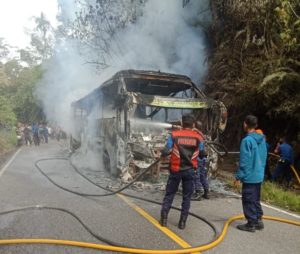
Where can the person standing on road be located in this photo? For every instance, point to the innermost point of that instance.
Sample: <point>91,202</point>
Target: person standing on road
<point>286,160</point>
<point>184,146</point>
<point>46,133</point>
<point>41,133</point>
<point>200,180</point>
<point>253,156</point>
<point>27,136</point>
<point>35,133</point>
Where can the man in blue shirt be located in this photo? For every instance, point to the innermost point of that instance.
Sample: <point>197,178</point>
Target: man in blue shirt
<point>286,160</point>
<point>253,155</point>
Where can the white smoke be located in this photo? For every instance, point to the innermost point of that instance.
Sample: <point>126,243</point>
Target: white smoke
<point>163,38</point>
<point>66,79</point>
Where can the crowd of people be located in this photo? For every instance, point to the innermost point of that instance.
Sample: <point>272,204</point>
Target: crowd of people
<point>37,134</point>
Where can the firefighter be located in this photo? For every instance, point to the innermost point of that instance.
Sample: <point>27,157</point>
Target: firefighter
<point>184,146</point>
<point>286,160</point>
<point>200,180</point>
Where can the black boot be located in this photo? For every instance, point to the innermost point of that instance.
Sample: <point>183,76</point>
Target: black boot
<point>259,225</point>
<point>182,221</point>
<point>163,219</point>
<point>205,195</point>
<point>246,227</point>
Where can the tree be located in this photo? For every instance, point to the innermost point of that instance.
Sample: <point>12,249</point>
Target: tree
<point>7,116</point>
<point>4,49</point>
<point>95,26</point>
<point>26,105</point>
<point>18,81</point>
<point>42,38</point>
<point>255,58</point>
<point>29,56</point>
<point>12,68</point>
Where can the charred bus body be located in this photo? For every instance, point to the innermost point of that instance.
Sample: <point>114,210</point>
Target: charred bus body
<point>130,116</point>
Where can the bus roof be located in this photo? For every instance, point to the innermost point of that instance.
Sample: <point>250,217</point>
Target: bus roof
<point>149,82</point>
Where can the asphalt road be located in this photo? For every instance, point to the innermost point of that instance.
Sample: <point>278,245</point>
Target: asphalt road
<point>22,185</point>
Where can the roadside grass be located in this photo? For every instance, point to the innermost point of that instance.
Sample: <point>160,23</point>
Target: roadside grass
<point>274,194</point>
<point>8,140</point>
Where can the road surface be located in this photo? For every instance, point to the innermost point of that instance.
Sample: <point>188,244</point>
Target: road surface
<point>114,218</point>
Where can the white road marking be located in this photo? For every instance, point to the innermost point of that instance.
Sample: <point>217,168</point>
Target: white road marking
<point>234,194</point>
<point>280,210</point>
<point>273,208</point>
<point>9,162</point>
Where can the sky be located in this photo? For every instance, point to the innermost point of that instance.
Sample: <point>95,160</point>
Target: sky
<point>16,15</point>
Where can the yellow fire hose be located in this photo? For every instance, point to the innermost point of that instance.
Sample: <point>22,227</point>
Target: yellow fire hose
<point>141,251</point>
<point>148,251</point>
<point>292,167</point>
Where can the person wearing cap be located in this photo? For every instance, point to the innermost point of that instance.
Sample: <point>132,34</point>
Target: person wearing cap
<point>183,145</point>
<point>253,156</point>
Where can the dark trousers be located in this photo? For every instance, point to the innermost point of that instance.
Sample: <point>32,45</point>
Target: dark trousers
<point>200,178</point>
<point>36,139</point>
<point>251,202</point>
<point>186,177</point>
<point>268,174</point>
<point>282,168</point>
<point>28,140</point>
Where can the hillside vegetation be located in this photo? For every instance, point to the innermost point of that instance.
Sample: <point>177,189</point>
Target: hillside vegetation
<point>254,65</point>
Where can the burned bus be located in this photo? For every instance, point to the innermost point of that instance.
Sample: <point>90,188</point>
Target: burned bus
<point>129,117</point>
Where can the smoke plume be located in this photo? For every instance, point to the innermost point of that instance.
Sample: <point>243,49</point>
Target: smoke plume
<point>165,37</point>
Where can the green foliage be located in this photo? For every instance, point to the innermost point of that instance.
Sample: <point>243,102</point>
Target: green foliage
<point>8,140</point>
<point>288,24</point>
<point>17,85</point>
<point>4,49</point>
<point>26,105</point>
<point>42,37</point>
<point>283,85</point>
<point>19,77</point>
<point>7,116</point>
<point>255,63</point>
<point>12,69</point>
<point>29,56</point>
<point>4,79</point>
<point>275,195</point>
